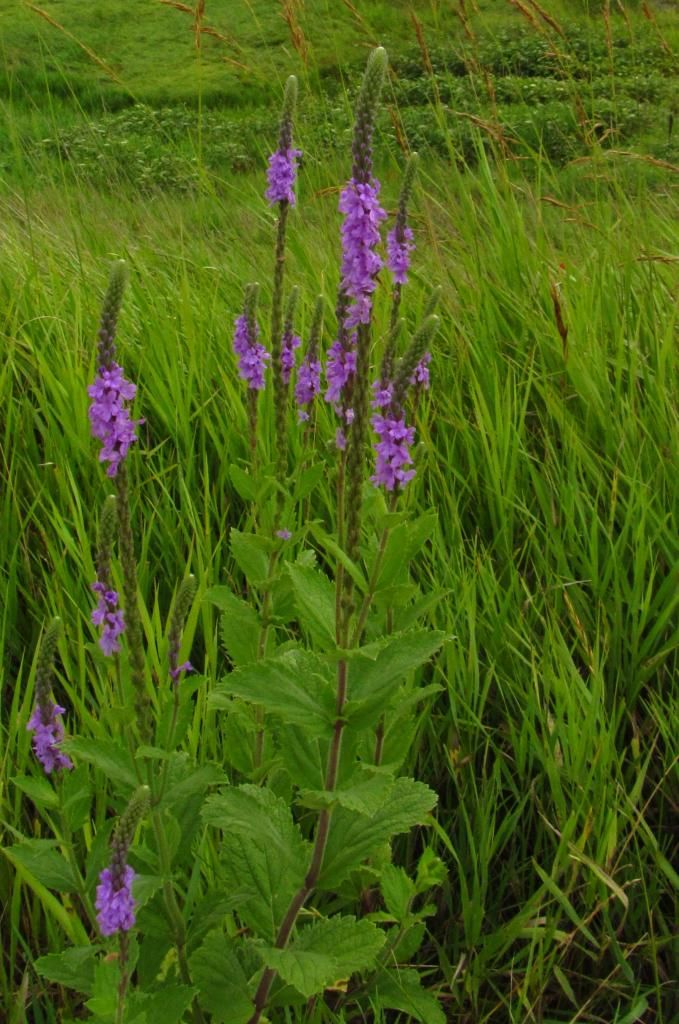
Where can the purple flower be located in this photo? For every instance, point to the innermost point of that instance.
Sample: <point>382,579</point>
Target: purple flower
<point>175,673</point>
<point>399,247</point>
<point>383,394</point>
<point>48,729</point>
<point>341,366</point>
<point>289,344</point>
<point>253,356</point>
<point>281,176</point>
<point>392,452</point>
<point>421,372</point>
<point>308,384</point>
<point>108,615</point>
<point>283,534</point>
<point>360,234</point>
<point>115,903</point>
<point>340,439</point>
<point>109,416</point>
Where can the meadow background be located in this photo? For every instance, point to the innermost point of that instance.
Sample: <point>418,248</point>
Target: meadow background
<point>548,446</point>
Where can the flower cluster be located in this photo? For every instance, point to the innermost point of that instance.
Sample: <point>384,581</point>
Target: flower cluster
<point>400,244</point>
<point>109,616</point>
<point>392,451</point>
<point>307,386</point>
<point>281,176</point>
<point>289,344</point>
<point>48,729</point>
<point>360,235</point>
<point>341,367</point>
<point>253,356</point>
<point>420,377</point>
<point>114,902</point>
<point>109,416</point>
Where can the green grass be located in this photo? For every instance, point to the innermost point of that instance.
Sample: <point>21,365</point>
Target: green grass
<point>553,469</point>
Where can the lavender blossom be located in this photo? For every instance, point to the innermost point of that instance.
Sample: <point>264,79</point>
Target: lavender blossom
<point>48,729</point>
<point>383,394</point>
<point>253,356</point>
<point>400,244</point>
<point>115,903</point>
<point>109,616</point>
<point>281,176</point>
<point>283,534</point>
<point>420,377</point>
<point>360,235</point>
<point>340,369</point>
<point>308,385</point>
<point>392,451</point>
<point>109,417</point>
<point>289,344</point>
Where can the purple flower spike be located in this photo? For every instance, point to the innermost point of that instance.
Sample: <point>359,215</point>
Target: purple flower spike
<point>115,903</point>
<point>393,452</point>
<point>109,616</point>
<point>253,356</point>
<point>360,235</point>
<point>383,395</point>
<point>281,176</point>
<point>109,416</point>
<point>175,673</point>
<point>420,377</point>
<point>48,731</point>
<point>399,247</point>
<point>308,385</point>
<point>289,345</point>
<point>341,366</point>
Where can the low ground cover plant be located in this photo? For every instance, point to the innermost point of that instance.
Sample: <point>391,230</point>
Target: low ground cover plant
<point>302,902</point>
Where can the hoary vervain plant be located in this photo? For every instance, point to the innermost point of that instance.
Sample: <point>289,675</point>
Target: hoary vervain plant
<point>323,655</point>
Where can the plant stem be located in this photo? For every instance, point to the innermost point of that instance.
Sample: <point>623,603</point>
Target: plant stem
<point>124,945</point>
<point>261,649</point>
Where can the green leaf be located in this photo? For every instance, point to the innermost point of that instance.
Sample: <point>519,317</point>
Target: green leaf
<point>308,972</point>
<point>289,686</point>
<point>77,796</point>
<point>264,857</point>
<point>397,889</point>
<point>308,479</point>
<point>73,968</point>
<point>44,862</point>
<point>364,794</point>
<point>105,992</point>
<point>110,756</point>
<point>405,540</point>
<point>38,789</point>
<point>354,837</point>
<point>353,944</point>
<point>251,554</point>
<point>373,682</point>
<point>315,601</point>
<point>221,981</point>
<point>332,547</point>
<point>402,990</point>
<point>241,628</point>
<point>167,1006</point>
<point>244,485</point>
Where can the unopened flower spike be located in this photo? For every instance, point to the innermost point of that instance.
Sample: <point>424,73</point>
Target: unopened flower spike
<point>114,902</point>
<point>415,356</point>
<point>182,607</point>
<point>252,356</point>
<point>45,722</point>
<point>400,243</point>
<point>308,383</point>
<point>107,614</point>
<point>290,341</point>
<point>282,171</point>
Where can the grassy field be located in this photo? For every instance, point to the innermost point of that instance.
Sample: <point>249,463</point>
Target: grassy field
<point>546,210</point>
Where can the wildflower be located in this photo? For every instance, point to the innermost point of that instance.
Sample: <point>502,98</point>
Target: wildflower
<point>420,375</point>
<point>308,384</point>
<point>45,722</point>
<point>392,451</point>
<point>289,344</point>
<point>253,355</point>
<point>360,235</point>
<point>383,394</point>
<point>281,176</point>
<point>48,729</point>
<point>109,417</point>
<point>109,616</point>
<point>399,247</point>
<point>340,369</point>
<point>114,902</point>
<point>283,534</point>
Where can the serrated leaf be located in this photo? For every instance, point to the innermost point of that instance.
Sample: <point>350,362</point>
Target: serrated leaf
<point>166,1006</point>
<point>310,973</point>
<point>397,889</point>
<point>77,797</point>
<point>72,968</point>
<point>288,685</point>
<point>353,944</point>
<point>332,547</point>
<point>372,682</point>
<point>363,794</point>
<point>354,837</point>
<point>41,858</point>
<point>240,628</point>
<point>402,990</point>
<point>110,756</point>
<point>244,485</point>
<point>251,554</point>
<point>315,601</point>
<point>144,888</point>
<point>104,998</point>
<point>308,479</point>
<point>405,540</point>
<point>221,981</point>
<point>264,856</point>
<point>39,790</point>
